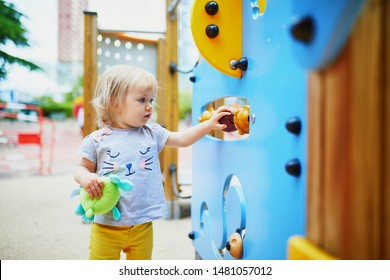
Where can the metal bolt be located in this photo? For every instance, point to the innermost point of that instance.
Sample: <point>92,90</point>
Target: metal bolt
<point>252,118</point>
<point>233,64</point>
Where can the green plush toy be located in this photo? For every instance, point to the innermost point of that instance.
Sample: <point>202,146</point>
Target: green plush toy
<point>107,202</point>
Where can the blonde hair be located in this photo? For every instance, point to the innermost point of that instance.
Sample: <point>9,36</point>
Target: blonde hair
<point>112,87</point>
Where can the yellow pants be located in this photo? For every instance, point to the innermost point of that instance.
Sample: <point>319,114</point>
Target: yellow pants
<point>107,242</point>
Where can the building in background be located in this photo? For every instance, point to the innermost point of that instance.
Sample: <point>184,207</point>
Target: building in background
<point>70,40</point>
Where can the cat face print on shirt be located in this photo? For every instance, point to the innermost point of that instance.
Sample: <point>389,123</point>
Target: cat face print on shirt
<point>115,160</point>
<point>143,163</point>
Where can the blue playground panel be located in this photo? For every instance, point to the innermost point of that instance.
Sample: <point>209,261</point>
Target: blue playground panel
<point>244,184</point>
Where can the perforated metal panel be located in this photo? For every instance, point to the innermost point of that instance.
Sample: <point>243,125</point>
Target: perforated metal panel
<point>113,50</point>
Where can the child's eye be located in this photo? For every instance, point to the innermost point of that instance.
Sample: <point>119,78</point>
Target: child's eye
<point>151,101</point>
<point>141,100</point>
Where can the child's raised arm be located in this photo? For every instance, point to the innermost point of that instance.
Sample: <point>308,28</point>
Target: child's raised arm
<point>191,135</point>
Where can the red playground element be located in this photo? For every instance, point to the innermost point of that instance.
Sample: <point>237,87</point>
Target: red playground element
<point>24,124</point>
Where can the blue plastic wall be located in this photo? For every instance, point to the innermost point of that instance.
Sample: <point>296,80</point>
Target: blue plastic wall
<point>268,203</point>
<point>244,184</point>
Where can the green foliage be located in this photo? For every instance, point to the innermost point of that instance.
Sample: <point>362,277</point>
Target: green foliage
<point>51,108</point>
<point>68,97</point>
<point>77,89</point>
<point>12,30</point>
<point>185,104</point>
<point>63,109</point>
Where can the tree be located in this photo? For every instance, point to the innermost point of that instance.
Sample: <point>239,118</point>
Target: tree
<point>12,30</point>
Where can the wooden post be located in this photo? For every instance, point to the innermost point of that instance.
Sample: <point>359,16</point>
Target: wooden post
<point>169,111</point>
<point>349,143</point>
<point>386,128</point>
<point>90,69</point>
<point>161,78</point>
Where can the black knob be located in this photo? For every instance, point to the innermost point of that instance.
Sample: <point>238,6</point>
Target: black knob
<point>211,8</point>
<point>191,235</point>
<point>228,246</point>
<point>193,79</point>
<point>212,31</point>
<point>303,30</point>
<point>242,64</point>
<point>294,125</point>
<point>172,67</point>
<point>293,167</point>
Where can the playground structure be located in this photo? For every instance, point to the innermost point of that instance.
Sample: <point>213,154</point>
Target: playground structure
<point>158,55</point>
<point>312,180</point>
<point>23,125</point>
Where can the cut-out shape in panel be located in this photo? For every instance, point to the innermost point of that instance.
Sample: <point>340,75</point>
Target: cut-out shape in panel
<point>235,213</point>
<point>233,222</point>
<point>205,237</point>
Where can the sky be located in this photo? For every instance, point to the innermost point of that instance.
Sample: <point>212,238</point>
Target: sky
<point>138,15</point>
<point>41,22</point>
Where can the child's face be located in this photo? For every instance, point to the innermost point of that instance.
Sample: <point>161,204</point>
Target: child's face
<point>136,109</point>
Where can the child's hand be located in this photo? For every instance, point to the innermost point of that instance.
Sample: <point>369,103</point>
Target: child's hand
<point>217,115</point>
<point>93,185</point>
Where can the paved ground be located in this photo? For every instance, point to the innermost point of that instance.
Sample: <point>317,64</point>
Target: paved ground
<point>36,212</point>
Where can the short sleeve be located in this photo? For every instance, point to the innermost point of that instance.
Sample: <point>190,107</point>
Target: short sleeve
<point>161,135</point>
<point>87,149</point>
